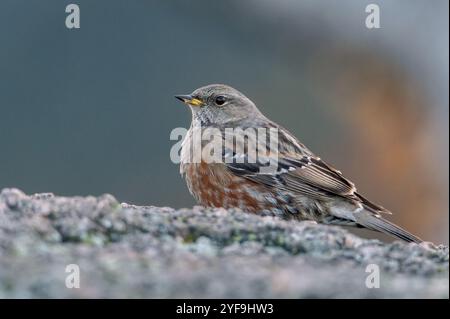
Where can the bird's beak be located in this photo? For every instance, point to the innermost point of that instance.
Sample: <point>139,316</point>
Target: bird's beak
<point>188,99</point>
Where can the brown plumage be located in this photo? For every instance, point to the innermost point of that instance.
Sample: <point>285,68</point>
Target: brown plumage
<point>289,181</point>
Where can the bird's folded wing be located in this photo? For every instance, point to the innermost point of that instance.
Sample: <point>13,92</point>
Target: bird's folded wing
<point>305,175</point>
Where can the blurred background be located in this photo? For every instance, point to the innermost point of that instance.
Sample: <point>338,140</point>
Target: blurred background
<point>89,111</point>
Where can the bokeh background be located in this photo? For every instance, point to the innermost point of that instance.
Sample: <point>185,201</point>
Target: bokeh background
<point>89,111</point>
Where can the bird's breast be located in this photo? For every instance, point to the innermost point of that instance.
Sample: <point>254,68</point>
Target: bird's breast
<point>213,185</point>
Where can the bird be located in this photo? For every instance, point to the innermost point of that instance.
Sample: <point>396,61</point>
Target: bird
<point>282,178</point>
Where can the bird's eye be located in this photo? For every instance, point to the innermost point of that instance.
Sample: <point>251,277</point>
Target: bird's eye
<point>220,100</point>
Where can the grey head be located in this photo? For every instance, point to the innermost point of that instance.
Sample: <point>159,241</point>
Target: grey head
<point>219,104</point>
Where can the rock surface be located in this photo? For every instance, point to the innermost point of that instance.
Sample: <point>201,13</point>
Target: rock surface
<point>128,251</point>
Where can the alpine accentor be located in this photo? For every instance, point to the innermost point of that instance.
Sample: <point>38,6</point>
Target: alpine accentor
<point>287,180</point>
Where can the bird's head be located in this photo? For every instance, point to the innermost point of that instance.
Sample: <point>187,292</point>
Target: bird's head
<point>218,104</point>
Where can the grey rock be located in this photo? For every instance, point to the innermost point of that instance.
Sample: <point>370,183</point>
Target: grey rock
<point>127,251</point>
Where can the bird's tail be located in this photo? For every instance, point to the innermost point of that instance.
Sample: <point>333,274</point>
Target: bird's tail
<point>375,222</point>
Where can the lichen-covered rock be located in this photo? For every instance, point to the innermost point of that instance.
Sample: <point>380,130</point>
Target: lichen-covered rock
<point>129,251</point>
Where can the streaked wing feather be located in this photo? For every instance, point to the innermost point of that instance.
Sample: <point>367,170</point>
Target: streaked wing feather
<point>297,175</point>
<point>299,172</point>
<point>315,172</point>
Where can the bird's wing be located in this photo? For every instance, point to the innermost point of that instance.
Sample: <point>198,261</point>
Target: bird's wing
<point>298,170</point>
